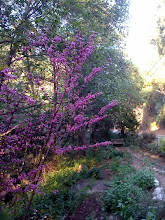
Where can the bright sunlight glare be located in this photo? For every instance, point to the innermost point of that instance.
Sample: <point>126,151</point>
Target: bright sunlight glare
<point>142,29</point>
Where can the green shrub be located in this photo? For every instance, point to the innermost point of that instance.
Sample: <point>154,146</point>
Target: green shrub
<point>119,168</point>
<point>125,200</point>
<point>54,204</point>
<point>115,164</point>
<point>124,170</point>
<point>134,147</point>
<point>12,211</point>
<point>144,179</point>
<point>133,139</point>
<point>95,173</point>
<point>116,153</point>
<point>127,156</point>
<point>148,137</point>
<point>153,147</point>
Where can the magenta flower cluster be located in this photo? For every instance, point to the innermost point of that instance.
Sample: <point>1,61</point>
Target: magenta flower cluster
<point>33,119</point>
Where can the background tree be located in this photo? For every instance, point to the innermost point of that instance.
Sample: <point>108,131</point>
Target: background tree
<point>108,18</point>
<point>21,16</point>
<point>160,41</point>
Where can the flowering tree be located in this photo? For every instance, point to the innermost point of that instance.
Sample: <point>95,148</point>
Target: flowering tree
<point>38,124</point>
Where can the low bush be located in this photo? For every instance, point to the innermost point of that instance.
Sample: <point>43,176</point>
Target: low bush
<point>148,137</point>
<point>128,196</point>
<point>144,179</point>
<point>115,164</point>
<point>153,147</point>
<point>124,170</point>
<point>125,200</point>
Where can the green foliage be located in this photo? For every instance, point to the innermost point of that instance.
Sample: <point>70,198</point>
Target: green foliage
<point>115,153</point>
<point>68,177</point>
<point>21,16</point>
<point>160,40</point>
<point>148,137</point>
<point>115,164</point>
<point>120,80</point>
<point>151,215</point>
<point>104,153</point>
<point>91,217</point>
<point>58,197</point>
<point>127,196</point>
<point>162,145</point>
<point>145,140</point>
<point>126,200</point>
<point>161,117</point>
<point>144,179</point>
<point>126,119</point>
<point>16,212</point>
<point>120,165</point>
<point>55,205</point>
<point>95,173</point>
<point>154,110</point>
<point>124,170</point>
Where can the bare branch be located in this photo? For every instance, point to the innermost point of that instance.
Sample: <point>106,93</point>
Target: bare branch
<point>7,132</point>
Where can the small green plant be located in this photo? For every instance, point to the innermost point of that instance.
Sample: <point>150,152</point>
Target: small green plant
<point>153,147</point>
<point>116,153</point>
<point>17,210</point>
<point>144,179</point>
<point>125,200</point>
<point>95,173</point>
<point>59,198</point>
<point>115,164</point>
<point>127,156</point>
<point>151,216</point>
<point>124,170</point>
<point>134,147</point>
<point>54,204</point>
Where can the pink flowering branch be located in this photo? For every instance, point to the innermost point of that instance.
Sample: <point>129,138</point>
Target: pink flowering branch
<point>36,120</point>
<point>60,151</point>
<point>110,105</point>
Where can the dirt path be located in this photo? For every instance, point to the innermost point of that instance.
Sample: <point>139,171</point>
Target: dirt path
<point>145,159</point>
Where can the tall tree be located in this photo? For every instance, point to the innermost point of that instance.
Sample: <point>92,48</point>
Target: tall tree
<point>21,16</point>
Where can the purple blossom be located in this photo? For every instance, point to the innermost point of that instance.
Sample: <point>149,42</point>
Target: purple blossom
<point>55,191</point>
<point>59,115</point>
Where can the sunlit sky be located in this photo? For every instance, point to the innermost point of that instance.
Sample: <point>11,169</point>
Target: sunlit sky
<point>142,29</point>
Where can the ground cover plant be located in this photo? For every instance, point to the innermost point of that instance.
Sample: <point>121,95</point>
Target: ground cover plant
<point>128,196</point>
<point>125,199</point>
<point>144,179</point>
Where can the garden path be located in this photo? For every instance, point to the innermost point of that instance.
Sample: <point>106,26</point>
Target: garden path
<point>92,204</point>
<point>143,159</point>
